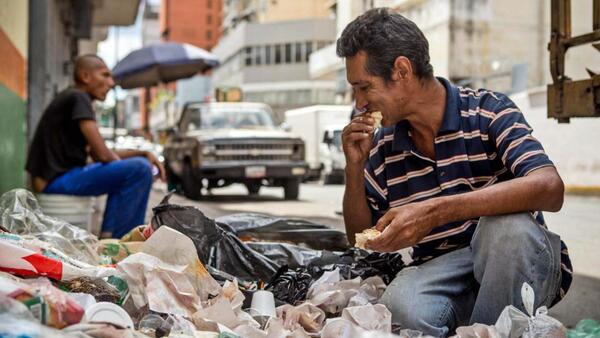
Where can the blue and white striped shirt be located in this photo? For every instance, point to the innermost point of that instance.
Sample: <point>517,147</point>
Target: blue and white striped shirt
<point>484,139</point>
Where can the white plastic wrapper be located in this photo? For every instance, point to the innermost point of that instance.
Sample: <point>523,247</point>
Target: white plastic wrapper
<point>21,214</point>
<point>513,323</point>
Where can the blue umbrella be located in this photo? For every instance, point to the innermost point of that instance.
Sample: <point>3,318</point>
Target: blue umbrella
<point>162,62</point>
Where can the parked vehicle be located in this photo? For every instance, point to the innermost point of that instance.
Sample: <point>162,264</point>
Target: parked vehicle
<point>217,144</point>
<point>320,127</point>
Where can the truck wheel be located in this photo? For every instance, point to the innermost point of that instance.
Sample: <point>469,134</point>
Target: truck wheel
<point>291,188</point>
<point>253,188</point>
<point>173,181</point>
<point>191,185</point>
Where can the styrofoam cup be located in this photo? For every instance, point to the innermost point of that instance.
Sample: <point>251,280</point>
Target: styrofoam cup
<point>263,304</point>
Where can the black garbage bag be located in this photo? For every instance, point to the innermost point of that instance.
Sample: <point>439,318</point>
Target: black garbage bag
<point>360,263</point>
<point>262,227</point>
<point>287,254</point>
<point>291,285</point>
<point>216,247</point>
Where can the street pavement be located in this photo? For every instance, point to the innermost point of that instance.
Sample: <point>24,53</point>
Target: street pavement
<point>578,223</point>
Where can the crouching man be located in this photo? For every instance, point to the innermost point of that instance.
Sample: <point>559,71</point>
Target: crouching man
<point>455,174</point>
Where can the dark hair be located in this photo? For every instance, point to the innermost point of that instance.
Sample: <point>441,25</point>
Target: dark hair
<point>385,35</point>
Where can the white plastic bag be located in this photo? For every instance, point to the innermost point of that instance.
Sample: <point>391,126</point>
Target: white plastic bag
<point>513,323</point>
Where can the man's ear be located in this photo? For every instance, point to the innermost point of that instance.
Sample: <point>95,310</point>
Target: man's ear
<point>402,69</point>
<point>85,76</point>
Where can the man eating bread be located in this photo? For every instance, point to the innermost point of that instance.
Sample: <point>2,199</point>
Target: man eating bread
<point>454,174</point>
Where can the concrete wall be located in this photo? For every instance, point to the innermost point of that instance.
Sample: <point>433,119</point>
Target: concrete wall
<point>485,38</point>
<point>572,147</point>
<point>283,10</point>
<point>13,92</point>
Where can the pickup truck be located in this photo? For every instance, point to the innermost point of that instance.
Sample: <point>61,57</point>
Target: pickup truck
<point>220,143</point>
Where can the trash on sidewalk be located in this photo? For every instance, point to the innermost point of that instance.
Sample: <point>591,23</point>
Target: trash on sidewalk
<point>216,247</point>
<point>186,275</point>
<point>21,214</point>
<point>260,227</point>
<point>513,323</point>
<point>586,328</point>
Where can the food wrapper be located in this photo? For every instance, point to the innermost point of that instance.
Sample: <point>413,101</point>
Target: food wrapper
<point>51,306</point>
<point>117,250</point>
<point>31,258</point>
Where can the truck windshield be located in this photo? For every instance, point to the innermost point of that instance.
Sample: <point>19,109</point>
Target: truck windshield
<point>228,118</point>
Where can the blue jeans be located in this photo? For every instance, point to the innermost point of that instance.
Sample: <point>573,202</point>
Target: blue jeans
<point>474,284</point>
<point>127,183</point>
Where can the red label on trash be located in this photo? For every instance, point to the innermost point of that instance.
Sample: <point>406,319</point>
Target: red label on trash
<point>24,262</point>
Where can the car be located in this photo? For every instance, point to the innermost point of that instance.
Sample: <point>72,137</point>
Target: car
<point>216,144</point>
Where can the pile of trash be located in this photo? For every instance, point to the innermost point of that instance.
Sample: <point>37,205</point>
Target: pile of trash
<point>186,275</point>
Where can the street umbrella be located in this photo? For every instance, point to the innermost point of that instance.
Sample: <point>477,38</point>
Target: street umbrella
<point>162,62</point>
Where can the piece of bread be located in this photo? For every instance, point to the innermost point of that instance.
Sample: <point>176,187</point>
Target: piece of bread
<point>363,237</point>
<point>376,115</point>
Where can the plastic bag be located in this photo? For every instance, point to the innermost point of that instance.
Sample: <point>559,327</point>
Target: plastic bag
<point>291,285</point>
<point>21,214</point>
<point>586,328</point>
<point>262,227</point>
<point>216,247</point>
<point>32,257</point>
<point>513,323</point>
<point>48,304</point>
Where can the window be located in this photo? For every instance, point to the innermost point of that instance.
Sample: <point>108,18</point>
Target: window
<point>248,56</point>
<point>258,55</point>
<point>288,53</point>
<point>309,49</point>
<point>298,52</point>
<point>208,19</point>
<point>268,55</point>
<point>277,54</point>
<point>208,35</point>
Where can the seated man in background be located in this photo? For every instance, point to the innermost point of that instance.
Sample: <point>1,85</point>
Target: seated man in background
<point>67,133</point>
<point>455,174</point>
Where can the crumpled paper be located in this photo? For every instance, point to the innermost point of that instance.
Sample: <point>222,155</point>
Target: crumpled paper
<point>477,331</point>
<point>164,287</point>
<point>332,294</point>
<point>306,316</point>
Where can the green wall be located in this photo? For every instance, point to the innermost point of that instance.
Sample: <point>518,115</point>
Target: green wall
<point>12,140</point>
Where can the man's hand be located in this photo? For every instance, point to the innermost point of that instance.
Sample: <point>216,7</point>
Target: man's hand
<point>403,227</point>
<point>154,161</point>
<point>357,139</point>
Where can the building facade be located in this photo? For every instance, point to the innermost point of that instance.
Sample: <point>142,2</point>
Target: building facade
<point>266,48</point>
<point>501,45</point>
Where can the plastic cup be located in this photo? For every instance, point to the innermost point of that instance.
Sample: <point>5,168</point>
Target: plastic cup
<point>263,304</point>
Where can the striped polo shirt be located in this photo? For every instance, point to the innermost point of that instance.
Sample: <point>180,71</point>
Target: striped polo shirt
<point>484,139</point>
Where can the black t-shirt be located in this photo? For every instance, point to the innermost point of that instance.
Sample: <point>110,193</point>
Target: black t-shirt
<point>58,144</point>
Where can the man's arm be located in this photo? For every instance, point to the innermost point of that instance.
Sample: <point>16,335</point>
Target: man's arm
<point>542,189</point>
<point>357,215</point>
<point>153,160</point>
<point>357,141</point>
<point>405,226</point>
<point>98,149</point>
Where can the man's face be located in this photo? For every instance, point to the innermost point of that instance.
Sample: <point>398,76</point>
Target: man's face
<point>373,93</point>
<point>99,82</point>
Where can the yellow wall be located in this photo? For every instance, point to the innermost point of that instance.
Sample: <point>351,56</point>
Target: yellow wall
<point>14,21</point>
<point>282,10</point>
